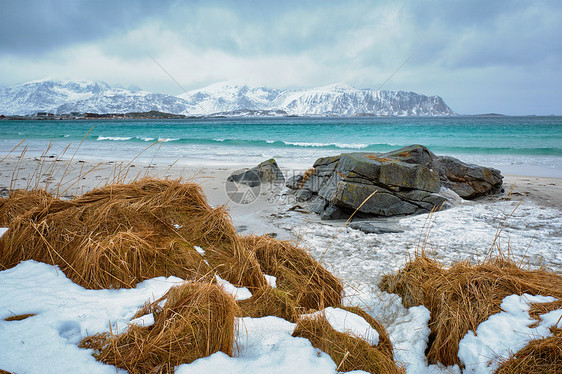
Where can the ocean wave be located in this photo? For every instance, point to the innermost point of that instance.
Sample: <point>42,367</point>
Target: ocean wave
<point>375,147</point>
<point>324,145</point>
<point>115,138</point>
<point>145,139</point>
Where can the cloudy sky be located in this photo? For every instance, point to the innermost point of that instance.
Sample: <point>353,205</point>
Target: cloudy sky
<point>480,56</point>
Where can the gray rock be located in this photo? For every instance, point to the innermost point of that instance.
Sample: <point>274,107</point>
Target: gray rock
<point>318,205</point>
<point>412,154</point>
<point>247,177</point>
<point>304,194</point>
<point>467,180</point>
<point>265,172</point>
<point>371,227</point>
<point>294,182</point>
<point>333,211</point>
<point>381,203</point>
<point>409,176</point>
<point>406,181</point>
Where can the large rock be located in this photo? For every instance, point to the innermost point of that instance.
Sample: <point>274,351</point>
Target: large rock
<point>468,181</point>
<point>265,172</point>
<point>405,181</point>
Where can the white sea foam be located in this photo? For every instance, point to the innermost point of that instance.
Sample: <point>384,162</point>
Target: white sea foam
<point>338,145</point>
<point>115,138</point>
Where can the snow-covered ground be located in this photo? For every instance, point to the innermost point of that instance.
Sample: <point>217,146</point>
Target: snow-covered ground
<point>65,312</point>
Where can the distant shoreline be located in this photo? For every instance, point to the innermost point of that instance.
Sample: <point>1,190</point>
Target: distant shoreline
<point>41,116</point>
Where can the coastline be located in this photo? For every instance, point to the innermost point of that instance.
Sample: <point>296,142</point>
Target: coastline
<point>259,217</point>
<point>81,176</point>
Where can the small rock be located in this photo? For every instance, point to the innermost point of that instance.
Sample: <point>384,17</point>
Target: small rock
<point>265,172</point>
<point>294,182</point>
<point>370,227</point>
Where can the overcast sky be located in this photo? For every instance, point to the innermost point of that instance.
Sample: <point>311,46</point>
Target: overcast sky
<point>480,56</point>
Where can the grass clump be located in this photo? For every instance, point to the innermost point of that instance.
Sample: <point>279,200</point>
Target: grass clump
<point>309,284</point>
<point>464,295</point>
<point>19,317</point>
<point>196,321</point>
<point>270,301</point>
<point>348,352</point>
<point>122,234</point>
<point>306,176</point>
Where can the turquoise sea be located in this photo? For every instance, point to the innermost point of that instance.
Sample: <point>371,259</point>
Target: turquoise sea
<point>515,145</point>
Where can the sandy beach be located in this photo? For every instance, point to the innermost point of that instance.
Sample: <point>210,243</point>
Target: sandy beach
<point>70,178</point>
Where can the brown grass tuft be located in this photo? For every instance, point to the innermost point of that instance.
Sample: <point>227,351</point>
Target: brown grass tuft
<point>21,202</point>
<point>309,284</point>
<point>270,301</point>
<point>19,317</point>
<point>122,234</point>
<point>196,321</point>
<point>385,345</point>
<point>306,176</point>
<point>542,356</point>
<point>348,352</point>
<point>463,296</point>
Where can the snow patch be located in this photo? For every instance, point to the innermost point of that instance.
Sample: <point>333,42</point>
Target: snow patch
<point>505,333</point>
<point>348,323</point>
<point>239,293</point>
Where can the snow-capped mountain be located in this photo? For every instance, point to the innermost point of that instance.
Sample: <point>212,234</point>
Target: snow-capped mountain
<point>225,98</point>
<point>95,97</point>
<point>332,100</point>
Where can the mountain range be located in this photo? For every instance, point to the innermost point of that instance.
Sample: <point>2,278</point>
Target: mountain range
<point>226,98</point>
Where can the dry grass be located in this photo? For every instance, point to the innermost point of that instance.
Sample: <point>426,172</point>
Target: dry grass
<point>463,296</point>
<point>19,317</point>
<point>270,301</point>
<point>348,352</point>
<point>21,202</point>
<point>385,345</point>
<point>306,176</point>
<point>543,308</point>
<point>542,356</point>
<point>196,321</point>
<point>309,284</point>
<point>122,234</point>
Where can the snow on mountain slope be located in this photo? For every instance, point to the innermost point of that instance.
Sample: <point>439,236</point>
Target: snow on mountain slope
<point>337,99</point>
<point>230,96</point>
<point>224,98</point>
<point>95,97</point>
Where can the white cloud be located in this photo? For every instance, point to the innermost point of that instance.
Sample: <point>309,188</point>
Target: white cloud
<point>478,57</point>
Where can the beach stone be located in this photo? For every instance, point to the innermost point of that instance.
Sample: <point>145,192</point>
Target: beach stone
<point>467,180</point>
<point>382,203</point>
<point>294,182</point>
<point>318,204</point>
<point>412,154</point>
<point>266,172</point>
<point>409,176</point>
<point>409,180</point>
<point>304,194</point>
<point>371,227</point>
<point>333,212</point>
